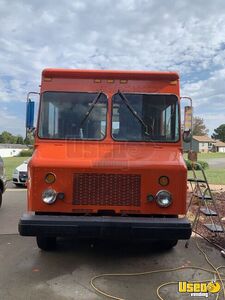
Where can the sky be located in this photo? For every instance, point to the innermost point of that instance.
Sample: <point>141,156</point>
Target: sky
<point>176,35</point>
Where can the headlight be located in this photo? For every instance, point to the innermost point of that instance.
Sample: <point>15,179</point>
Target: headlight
<point>49,196</point>
<point>15,172</point>
<point>163,198</point>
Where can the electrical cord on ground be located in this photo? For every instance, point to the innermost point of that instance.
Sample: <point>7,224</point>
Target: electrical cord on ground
<point>214,271</point>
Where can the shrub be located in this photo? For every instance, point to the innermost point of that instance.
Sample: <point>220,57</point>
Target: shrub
<point>203,164</point>
<point>25,153</point>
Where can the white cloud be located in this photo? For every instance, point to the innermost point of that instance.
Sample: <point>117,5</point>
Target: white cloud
<point>209,98</point>
<point>11,123</point>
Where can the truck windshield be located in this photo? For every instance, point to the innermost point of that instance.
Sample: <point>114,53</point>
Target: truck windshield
<point>159,113</point>
<point>68,115</point>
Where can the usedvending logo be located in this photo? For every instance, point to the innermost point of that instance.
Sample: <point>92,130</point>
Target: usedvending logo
<point>199,289</point>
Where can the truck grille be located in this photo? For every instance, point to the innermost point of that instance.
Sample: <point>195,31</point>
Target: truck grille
<point>106,189</point>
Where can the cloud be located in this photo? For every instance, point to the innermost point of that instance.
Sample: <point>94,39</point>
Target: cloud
<point>209,98</point>
<point>11,123</point>
<point>187,36</point>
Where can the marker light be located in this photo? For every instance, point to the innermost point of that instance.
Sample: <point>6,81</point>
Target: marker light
<point>163,180</point>
<point>50,178</point>
<point>49,196</point>
<point>163,198</point>
<point>123,81</point>
<point>150,198</point>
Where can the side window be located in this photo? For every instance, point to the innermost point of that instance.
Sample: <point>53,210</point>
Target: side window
<point>53,112</point>
<point>166,122</point>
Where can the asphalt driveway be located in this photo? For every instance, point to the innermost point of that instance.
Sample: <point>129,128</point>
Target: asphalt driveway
<point>216,163</point>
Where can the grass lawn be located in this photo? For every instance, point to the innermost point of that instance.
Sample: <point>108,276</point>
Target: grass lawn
<point>11,163</point>
<point>214,176</point>
<point>210,155</point>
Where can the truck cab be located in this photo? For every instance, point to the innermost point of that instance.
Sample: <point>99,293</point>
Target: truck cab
<point>107,159</point>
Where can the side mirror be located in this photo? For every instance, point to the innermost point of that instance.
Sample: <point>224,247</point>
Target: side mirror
<point>30,115</point>
<point>187,134</point>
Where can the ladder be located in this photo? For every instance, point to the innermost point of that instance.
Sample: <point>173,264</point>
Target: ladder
<point>206,202</point>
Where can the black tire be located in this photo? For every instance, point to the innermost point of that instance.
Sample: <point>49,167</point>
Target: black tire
<point>17,184</point>
<point>0,198</point>
<point>46,243</point>
<point>167,244</point>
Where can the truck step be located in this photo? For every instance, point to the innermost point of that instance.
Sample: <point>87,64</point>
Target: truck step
<point>214,227</point>
<point>206,197</point>
<point>196,180</point>
<point>208,211</point>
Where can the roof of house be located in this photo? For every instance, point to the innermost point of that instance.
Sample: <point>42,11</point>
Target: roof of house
<point>13,146</point>
<point>219,144</point>
<point>203,138</point>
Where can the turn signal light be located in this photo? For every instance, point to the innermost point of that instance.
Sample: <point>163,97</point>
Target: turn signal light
<point>50,178</point>
<point>163,180</point>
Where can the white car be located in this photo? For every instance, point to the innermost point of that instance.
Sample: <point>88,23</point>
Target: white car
<point>20,174</point>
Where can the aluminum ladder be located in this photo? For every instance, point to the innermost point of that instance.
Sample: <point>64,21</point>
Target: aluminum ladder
<point>206,202</point>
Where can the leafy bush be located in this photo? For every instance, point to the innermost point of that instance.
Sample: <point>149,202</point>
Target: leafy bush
<point>203,164</point>
<point>25,153</point>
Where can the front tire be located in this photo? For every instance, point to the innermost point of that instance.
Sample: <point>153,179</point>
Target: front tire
<point>17,184</point>
<point>46,243</point>
<point>0,198</point>
<point>167,244</point>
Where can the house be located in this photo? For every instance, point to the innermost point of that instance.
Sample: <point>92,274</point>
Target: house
<point>9,150</point>
<point>200,143</point>
<point>219,146</point>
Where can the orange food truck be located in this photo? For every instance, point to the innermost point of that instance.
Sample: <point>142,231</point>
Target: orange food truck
<point>107,159</point>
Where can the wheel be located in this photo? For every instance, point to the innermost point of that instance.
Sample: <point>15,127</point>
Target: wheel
<point>0,198</point>
<point>17,184</point>
<point>46,243</point>
<point>167,244</point>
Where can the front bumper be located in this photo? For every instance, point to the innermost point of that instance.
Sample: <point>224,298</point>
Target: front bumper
<point>20,178</point>
<point>114,227</point>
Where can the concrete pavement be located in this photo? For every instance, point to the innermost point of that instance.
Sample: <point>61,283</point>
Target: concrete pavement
<point>28,273</point>
<point>216,163</point>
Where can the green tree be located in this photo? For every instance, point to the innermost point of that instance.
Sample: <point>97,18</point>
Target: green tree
<point>219,133</point>
<point>199,127</point>
<point>19,139</point>
<point>7,138</point>
<point>29,140</point>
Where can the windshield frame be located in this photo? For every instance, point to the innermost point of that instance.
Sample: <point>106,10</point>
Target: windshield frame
<point>147,141</point>
<point>66,138</point>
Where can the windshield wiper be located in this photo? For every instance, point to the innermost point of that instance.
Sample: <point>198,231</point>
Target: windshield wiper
<point>133,111</point>
<point>91,108</point>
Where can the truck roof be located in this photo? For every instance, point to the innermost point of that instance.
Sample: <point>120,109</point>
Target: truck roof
<point>109,74</point>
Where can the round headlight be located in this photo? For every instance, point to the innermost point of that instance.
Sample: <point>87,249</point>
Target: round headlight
<point>163,198</point>
<point>49,196</point>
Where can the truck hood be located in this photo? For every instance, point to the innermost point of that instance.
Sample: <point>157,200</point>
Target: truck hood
<point>89,155</point>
